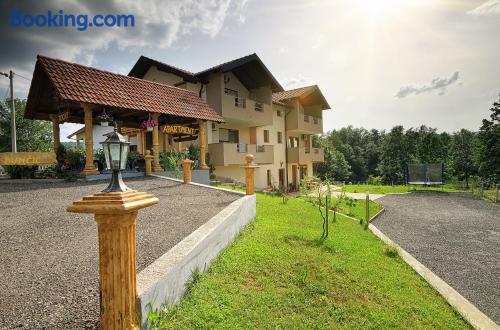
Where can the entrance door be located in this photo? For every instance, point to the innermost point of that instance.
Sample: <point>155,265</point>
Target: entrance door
<point>281,173</point>
<point>294,176</point>
<point>269,183</point>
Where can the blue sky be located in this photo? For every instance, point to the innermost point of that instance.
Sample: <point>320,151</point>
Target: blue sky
<point>379,63</point>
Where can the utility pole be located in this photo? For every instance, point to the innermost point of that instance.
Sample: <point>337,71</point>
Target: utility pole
<point>12,110</point>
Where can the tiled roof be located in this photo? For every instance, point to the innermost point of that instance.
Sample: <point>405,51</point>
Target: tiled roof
<point>292,93</point>
<point>75,82</point>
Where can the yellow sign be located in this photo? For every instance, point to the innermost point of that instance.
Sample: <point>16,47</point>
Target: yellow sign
<point>27,158</point>
<point>178,129</point>
<point>63,116</point>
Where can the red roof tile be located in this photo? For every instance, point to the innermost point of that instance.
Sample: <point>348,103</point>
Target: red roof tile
<point>292,93</point>
<point>75,82</point>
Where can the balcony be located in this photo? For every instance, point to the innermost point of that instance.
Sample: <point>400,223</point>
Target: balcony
<point>246,111</point>
<point>224,154</point>
<point>303,123</point>
<point>302,155</point>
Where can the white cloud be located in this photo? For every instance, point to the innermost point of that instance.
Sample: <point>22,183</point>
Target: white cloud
<point>489,8</point>
<point>297,82</point>
<point>437,84</point>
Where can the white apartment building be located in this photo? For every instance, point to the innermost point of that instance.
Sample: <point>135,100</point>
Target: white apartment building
<point>274,125</point>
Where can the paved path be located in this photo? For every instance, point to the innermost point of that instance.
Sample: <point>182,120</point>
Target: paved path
<point>49,257</point>
<point>455,235</point>
<point>373,197</point>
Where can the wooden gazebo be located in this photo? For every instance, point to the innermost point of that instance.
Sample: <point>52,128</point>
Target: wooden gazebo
<point>67,92</point>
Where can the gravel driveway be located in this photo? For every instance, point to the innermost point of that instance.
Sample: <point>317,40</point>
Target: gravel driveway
<point>455,235</point>
<point>49,257</point>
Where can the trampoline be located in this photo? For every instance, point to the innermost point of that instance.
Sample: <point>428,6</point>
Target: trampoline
<point>424,174</point>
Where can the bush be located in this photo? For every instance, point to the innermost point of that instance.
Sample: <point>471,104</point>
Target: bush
<point>374,180</point>
<point>170,161</point>
<point>391,251</point>
<point>20,172</point>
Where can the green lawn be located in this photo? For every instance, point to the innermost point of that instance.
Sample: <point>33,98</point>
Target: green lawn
<point>279,275</point>
<point>380,189</point>
<point>359,210</point>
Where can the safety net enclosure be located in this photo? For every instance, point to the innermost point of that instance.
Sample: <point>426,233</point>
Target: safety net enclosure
<point>425,174</point>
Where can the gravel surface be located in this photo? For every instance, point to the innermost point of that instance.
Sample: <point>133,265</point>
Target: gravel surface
<point>455,235</point>
<point>49,257</point>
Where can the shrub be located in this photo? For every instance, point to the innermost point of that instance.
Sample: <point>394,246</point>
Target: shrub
<point>391,251</point>
<point>374,180</point>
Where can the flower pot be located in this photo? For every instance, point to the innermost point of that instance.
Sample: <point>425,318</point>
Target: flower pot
<point>104,123</point>
<point>149,129</point>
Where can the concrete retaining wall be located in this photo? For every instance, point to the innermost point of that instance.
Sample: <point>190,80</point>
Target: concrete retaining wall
<point>164,280</point>
<point>198,176</point>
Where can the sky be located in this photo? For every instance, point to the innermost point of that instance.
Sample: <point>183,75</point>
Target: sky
<point>378,63</point>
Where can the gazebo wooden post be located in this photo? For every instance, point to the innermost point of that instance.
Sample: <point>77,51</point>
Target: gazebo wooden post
<point>156,144</point>
<point>148,159</point>
<point>186,169</point>
<point>115,214</point>
<point>203,143</point>
<point>89,143</point>
<point>55,132</point>
<point>250,174</point>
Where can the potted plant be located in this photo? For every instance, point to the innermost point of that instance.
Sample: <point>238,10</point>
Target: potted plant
<point>149,124</point>
<point>104,118</point>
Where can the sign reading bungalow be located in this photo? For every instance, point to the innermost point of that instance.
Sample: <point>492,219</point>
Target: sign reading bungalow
<point>27,158</point>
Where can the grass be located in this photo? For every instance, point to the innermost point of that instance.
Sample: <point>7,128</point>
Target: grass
<point>382,189</point>
<point>359,210</point>
<point>279,275</point>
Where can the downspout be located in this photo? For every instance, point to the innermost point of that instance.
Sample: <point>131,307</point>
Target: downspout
<point>286,151</point>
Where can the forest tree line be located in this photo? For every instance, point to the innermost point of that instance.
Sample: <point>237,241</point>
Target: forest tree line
<point>361,155</point>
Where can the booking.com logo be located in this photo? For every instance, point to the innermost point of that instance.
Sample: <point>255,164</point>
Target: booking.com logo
<point>60,19</point>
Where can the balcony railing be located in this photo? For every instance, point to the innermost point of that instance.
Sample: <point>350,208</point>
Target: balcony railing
<point>233,107</point>
<point>301,155</point>
<point>224,154</point>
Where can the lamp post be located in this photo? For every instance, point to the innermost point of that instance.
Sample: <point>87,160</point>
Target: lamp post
<point>115,151</point>
<point>115,211</point>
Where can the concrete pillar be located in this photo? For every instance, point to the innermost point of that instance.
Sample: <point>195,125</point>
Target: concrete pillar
<point>186,168</point>
<point>203,143</point>
<point>89,143</point>
<point>115,214</point>
<point>148,159</point>
<point>156,145</point>
<point>250,174</point>
<point>55,132</point>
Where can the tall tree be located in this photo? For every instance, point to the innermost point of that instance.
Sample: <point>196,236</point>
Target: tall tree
<point>393,155</point>
<point>462,154</point>
<point>32,135</point>
<point>489,135</point>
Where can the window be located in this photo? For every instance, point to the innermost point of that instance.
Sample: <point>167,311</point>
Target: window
<point>232,92</point>
<point>269,184</point>
<point>214,128</point>
<point>280,137</point>
<point>278,113</point>
<point>315,120</point>
<point>259,107</point>
<point>266,136</point>
<point>228,135</point>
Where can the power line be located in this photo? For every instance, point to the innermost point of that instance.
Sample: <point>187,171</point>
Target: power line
<point>17,74</point>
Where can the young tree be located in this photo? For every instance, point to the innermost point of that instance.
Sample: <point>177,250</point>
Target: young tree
<point>32,135</point>
<point>462,154</point>
<point>489,136</point>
